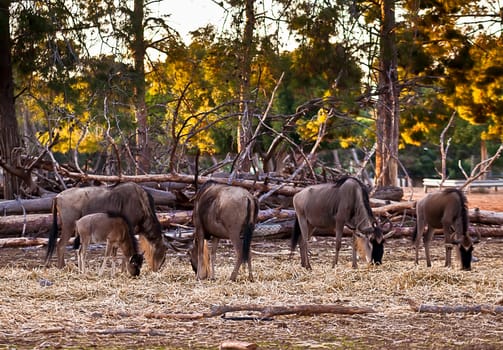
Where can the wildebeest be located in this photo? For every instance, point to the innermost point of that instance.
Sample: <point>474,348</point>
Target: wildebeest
<point>329,207</point>
<point>127,199</point>
<point>447,210</point>
<point>222,211</point>
<point>116,231</point>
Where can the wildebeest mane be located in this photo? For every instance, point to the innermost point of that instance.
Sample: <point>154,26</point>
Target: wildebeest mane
<point>365,197</point>
<point>464,206</point>
<point>119,201</point>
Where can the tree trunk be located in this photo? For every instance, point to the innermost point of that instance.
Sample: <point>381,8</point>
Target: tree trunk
<point>138,47</point>
<point>388,105</point>
<point>9,132</point>
<point>245,131</point>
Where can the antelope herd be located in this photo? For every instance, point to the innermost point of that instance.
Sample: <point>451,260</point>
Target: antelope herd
<point>115,214</point>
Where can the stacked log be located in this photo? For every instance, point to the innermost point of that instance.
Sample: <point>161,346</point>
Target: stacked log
<point>32,217</point>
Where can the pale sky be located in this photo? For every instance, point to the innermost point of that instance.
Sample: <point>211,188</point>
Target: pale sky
<point>188,15</point>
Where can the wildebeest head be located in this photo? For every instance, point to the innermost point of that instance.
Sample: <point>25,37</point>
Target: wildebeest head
<point>193,257</point>
<point>134,265</point>
<point>370,241</point>
<point>465,250</point>
<point>155,252</point>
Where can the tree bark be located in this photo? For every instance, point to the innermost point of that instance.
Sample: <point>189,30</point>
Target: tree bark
<point>388,108</point>
<point>245,131</point>
<point>138,48</point>
<point>9,132</point>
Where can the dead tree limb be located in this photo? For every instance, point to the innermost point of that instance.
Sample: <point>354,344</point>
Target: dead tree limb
<point>237,345</point>
<point>446,309</point>
<point>268,311</point>
<point>482,167</point>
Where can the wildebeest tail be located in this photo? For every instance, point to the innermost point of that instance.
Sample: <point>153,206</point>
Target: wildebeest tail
<point>248,228</point>
<point>414,232</point>
<point>295,234</point>
<point>76,242</point>
<point>53,233</point>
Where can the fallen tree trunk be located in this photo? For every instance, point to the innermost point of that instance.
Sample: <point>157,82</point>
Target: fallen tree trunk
<point>272,223</point>
<point>268,311</point>
<point>32,224</point>
<point>28,206</point>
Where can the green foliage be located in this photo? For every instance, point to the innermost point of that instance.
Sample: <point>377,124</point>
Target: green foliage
<point>193,91</point>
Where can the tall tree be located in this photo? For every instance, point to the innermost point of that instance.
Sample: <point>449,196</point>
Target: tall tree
<point>245,131</point>
<point>140,107</point>
<point>9,132</point>
<point>388,108</point>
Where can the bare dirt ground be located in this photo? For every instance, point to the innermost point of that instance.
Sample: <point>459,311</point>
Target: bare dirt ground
<point>50,308</point>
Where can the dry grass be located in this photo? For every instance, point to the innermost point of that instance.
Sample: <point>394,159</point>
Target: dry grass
<point>51,308</point>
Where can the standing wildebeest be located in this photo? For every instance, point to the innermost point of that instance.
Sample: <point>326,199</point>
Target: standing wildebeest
<point>329,207</point>
<point>222,211</point>
<point>445,209</point>
<point>128,199</point>
<point>116,231</point>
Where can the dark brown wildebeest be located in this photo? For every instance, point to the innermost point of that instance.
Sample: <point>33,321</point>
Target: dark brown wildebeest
<point>222,211</point>
<point>329,207</point>
<point>128,199</point>
<point>447,210</point>
<point>117,232</point>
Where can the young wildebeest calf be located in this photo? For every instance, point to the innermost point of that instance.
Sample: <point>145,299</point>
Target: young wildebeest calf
<point>222,211</point>
<point>445,209</point>
<point>329,207</point>
<point>116,231</point>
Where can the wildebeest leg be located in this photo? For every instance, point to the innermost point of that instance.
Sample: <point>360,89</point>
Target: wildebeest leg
<point>427,240</point>
<point>419,232</point>
<point>201,272</point>
<point>108,253</point>
<point>114,257</point>
<point>306,232</point>
<point>339,227</point>
<point>67,229</point>
<point>353,254</point>
<point>214,245</point>
<point>81,254</point>
<point>446,225</point>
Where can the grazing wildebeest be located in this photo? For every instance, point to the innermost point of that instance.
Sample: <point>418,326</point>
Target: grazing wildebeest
<point>117,232</point>
<point>127,199</point>
<point>447,210</point>
<point>222,211</point>
<point>329,207</point>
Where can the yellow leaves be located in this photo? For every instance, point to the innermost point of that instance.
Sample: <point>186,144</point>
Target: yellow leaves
<point>409,135</point>
<point>70,138</point>
<point>309,129</point>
